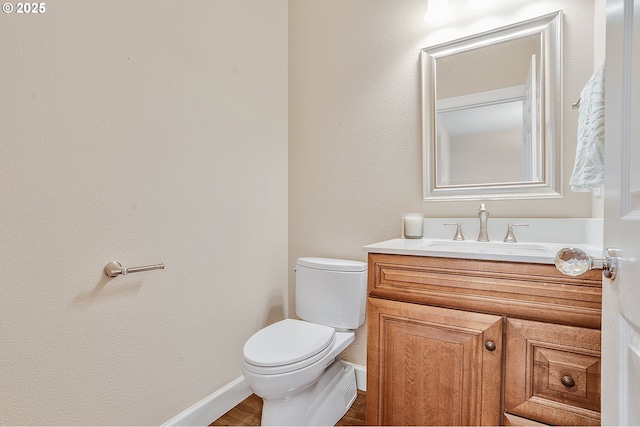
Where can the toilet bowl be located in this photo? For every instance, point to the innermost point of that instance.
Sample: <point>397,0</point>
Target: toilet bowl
<point>292,364</point>
<point>289,391</point>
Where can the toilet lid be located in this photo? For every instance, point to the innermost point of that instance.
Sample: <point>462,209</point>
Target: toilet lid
<point>286,342</point>
<point>332,264</point>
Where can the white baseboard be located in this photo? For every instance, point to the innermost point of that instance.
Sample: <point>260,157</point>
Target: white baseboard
<point>217,404</point>
<point>361,375</point>
<point>213,406</point>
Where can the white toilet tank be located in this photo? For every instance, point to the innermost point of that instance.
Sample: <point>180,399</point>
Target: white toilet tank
<point>331,292</point>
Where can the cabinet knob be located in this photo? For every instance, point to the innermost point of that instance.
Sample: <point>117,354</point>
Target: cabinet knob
<point>567,381</point>
<point>490,345</point>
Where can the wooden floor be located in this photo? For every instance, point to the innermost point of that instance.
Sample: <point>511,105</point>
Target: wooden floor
<point>249,411</point>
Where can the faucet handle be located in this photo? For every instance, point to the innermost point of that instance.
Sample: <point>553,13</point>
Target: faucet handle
<point>458,225</point>
<point>510,237</point>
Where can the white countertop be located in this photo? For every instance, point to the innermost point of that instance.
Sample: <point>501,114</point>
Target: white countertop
<point>531,252</point>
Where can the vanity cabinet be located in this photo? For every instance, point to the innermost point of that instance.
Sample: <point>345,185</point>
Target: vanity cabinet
<point>477,342</point>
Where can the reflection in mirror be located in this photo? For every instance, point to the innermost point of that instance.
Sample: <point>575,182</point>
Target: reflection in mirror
<point>491,114</point>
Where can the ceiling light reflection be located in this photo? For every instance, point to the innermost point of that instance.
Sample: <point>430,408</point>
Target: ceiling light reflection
<point>437,11</point>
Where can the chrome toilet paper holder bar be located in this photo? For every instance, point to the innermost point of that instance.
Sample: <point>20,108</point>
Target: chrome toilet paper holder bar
<point>114,268</point>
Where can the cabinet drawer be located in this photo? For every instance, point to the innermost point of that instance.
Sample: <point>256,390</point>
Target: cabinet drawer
<point>552,373</point>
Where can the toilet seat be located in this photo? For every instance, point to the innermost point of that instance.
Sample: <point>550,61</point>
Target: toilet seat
<point>286,346</point>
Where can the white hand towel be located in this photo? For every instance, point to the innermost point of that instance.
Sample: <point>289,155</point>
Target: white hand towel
<point>588,170</point>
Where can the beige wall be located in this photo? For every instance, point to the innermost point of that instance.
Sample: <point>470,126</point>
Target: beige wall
<point>354,121</point>
<point>143,132</point>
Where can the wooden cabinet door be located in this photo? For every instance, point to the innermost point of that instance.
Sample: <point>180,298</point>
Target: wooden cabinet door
<point>552,372</point>
<point>432,366</point>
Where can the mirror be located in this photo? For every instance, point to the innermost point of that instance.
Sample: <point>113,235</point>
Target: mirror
<point>492,114</point>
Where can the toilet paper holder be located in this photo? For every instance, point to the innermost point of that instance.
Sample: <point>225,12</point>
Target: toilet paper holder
<point>114,268</point>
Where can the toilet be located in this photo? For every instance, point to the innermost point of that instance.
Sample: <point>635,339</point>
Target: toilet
<point>292,364</point>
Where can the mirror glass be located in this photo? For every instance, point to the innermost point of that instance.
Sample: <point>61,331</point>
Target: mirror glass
<point>492,114</point>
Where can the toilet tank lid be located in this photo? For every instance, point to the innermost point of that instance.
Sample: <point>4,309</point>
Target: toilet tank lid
<point>332,264</point>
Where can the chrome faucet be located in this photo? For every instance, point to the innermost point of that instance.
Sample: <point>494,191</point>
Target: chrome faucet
<point>483,213</point>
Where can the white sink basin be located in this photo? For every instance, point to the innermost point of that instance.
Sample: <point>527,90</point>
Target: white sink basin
<point>497,248</point>
<point>536,252</point>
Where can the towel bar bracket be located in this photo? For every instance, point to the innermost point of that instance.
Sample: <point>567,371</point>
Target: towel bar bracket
<point>576,104</point>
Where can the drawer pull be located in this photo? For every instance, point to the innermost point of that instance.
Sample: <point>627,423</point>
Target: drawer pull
<point>490,345</point>
<point>567,381</point>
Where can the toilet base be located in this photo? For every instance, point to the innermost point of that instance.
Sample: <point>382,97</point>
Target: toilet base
<point>324,403</point>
